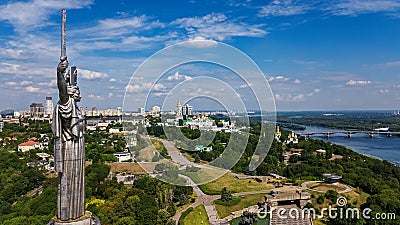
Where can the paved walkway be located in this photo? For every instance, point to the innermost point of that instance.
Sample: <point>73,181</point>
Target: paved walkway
<point>203,199</point>
<point>290,216</point>
<point>208,200</point>
<point>177,157</point>
<point>304,187</point>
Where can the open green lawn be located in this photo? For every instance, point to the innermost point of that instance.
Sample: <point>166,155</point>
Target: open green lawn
<point>203,175</point>
<point>325,187</point>
<point>234,185</point>
<point>259,222</point>
<point>197,217</point>
<point>354,198</point>
<point>249,200</point>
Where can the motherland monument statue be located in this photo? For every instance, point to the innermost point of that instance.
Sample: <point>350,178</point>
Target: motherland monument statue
<point>69,146</point>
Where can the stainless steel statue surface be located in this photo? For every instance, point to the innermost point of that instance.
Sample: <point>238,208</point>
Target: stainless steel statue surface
<point>69,145</point>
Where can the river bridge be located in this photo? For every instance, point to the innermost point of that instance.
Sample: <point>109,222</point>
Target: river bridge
<point>350,133</point>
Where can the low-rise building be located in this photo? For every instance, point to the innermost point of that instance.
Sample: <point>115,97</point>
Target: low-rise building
<point>331,178</point>
<point>39,163</point>
<point>292,138</point>
<point>1,125</point>
<point>36,110</point>
<point>123,156</point>
<point>114,130</point>
<point>203,148</point>
<point>321,151</point>
<point>278,134</point>
<point>29,145</point>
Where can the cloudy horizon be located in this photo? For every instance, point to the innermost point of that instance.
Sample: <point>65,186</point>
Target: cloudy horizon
<point>316,55</point>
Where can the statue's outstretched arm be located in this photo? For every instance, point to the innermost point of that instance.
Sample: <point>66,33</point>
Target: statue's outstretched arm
<point>62,84</point>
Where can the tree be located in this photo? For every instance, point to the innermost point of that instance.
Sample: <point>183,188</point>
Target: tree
<point>197,159</point>
<point>155,158</point>
<point>226,195</point>
<point>320,199</point>
<point>183,199</point>
<point>294,159</point>
<point>331,195</point>
<point>163,216</point>
<point>126,221</point>
<point>248,218</point>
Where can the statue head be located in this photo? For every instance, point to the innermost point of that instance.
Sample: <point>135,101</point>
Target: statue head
<point>73,92</point>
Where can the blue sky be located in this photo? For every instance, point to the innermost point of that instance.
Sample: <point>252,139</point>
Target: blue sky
<point>316,55</point>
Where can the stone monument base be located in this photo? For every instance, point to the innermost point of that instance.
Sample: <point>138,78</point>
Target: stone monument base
<point>87,219</point>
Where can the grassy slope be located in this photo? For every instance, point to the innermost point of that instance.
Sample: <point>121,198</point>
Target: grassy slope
<point>197,217</point>
<point>234,185</point>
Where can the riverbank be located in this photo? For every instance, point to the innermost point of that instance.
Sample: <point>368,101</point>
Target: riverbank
<point>380,146</point>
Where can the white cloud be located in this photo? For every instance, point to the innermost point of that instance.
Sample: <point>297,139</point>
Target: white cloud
<point>52,83</point>
<point>114,28</point>
<point>315,91</point>
<point>9,68</point>
<point>11,83</point>
<point>278,78</point>
<point>144,87</point>
<point>339,7</point>
<point>158,87</point>
<point>247,85</point>
<point>37,47</point>
<point>303,62</point>
<point>299,97</point>
<point>95,97</point>
<point>32,89</point>
<point>160,94</point>
<point>90,75</point>
<point>110,95</point>
<point>294,97</point>
<point>132,22</point>
<point>133,88</point>
<point>278,97</point>
<point>384,91</point>
<point>394,63</point>
<point>13,53</point>
<point>297,81</point>
<point>112,80</point>
<point>358,82</point>
<point>178,76</point>
<point>283,8</point>
<point>216,26</point>
<point>201,42</point>
<point>356,7</point>
<point>122,34</point>
<point>25,83</point>
<point>34,13</point>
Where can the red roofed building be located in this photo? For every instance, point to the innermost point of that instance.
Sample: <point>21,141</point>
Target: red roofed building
<point>29,145</point>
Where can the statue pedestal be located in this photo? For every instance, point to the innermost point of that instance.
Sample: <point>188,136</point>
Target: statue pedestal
<point>87,219</point>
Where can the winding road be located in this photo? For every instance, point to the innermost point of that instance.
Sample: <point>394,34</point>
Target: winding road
<point>203,199</point>
<point>208,200</point>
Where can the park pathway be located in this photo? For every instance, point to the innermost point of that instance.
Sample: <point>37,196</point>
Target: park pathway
<point>305,184</point>
<point>208,200</point>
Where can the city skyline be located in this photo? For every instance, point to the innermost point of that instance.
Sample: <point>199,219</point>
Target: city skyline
<point>315,55</point>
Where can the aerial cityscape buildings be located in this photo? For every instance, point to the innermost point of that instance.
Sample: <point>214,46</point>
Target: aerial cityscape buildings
<point>49,107</point>
<point>36,110</point>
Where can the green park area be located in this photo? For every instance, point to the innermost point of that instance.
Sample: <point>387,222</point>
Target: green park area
<point>196,217</point>
<point>203,175</point>
<point>234,185</point>
<point>241,203</point>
